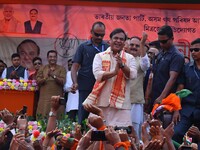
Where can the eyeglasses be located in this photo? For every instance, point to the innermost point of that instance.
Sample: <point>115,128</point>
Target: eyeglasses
<point>194,49</point>
<point>97,34</point>
<point>37,63</point>
<point>164,41</point>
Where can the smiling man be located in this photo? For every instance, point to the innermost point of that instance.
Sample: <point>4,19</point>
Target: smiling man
<point>50,79</point>
<point>168,66</point>
<point>113,70</point>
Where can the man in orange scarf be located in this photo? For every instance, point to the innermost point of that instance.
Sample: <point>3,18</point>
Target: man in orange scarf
<point>113,70</point>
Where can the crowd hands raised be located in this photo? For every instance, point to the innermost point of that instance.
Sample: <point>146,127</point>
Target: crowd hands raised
<point>99,136</point>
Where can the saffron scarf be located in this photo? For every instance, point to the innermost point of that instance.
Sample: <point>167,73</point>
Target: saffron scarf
<point>117,96</point>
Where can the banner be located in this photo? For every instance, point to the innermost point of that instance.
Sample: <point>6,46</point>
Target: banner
<point>63,28</point>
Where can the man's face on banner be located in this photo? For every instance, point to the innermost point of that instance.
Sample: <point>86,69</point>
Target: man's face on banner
<point>8,12</point>
<point>33,15</point>
<point>27,52</point>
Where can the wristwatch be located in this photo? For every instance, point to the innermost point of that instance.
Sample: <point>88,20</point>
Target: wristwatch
<point>122,65</point>
<point>52,114</point>
<point>54,76</point>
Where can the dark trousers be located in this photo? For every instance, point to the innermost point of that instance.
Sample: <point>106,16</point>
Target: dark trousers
<point>182,127</point>
<point>82,113</point>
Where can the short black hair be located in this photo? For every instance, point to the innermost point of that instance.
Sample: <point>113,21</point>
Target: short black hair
<point>15,55</point>
<point>99,23</point>
<point>51,51</point>
<point>28,41</point>
<point>32,10</point>
<point>118,30</point>
<point>155,44</point>
<point>1,61</point>
<point>196,41</point>
<point>36,58</point>
<point>166,30</point>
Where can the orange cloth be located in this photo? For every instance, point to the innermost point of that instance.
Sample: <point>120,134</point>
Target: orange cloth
<point>102,128</point>
<point>75,145</point>
<point>121,144</point>
<point>170,103</point>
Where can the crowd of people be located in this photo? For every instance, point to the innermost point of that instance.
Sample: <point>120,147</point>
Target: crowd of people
<point>114,85</point>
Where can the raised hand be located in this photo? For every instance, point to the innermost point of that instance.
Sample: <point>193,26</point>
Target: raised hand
<point>6,116</point>
<point>93,109</point>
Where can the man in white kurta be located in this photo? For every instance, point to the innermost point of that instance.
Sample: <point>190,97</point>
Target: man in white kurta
<point>107,67</point>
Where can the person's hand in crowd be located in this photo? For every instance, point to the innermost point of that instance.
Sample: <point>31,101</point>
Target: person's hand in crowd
<point>3,135</point>
<point>194,133</point>
<point>144,37</point>
<point>16,140</point>
<point>6,116</point>
<point>93,109</point>
<point>176,117</point>
<point>123,135</point>
<point>145,135</point>
<point>154,145</point>
<point>133,135</point>
<point>134,145</point>
<point>55,103</point>
<point>49,137</point>
<point>154,122</point>
<point>183,147</point>
<point>155,133</point>
<point>22,123</point>
<point>37,144</point>
<point>95,121</point>
<point>85,141</point>
<point>169,131</point>
<point>53,133</point>
<point>112,136</point>
<point>23,145</point>
<point>77,134</point>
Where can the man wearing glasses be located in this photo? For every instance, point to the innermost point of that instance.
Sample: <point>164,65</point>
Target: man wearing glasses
<point>167,68</point>
<point>82,63</point>
<point>189,115</point>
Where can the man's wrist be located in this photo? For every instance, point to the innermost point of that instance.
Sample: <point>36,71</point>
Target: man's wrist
<point>122,65</point>
<point>52,114</point>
